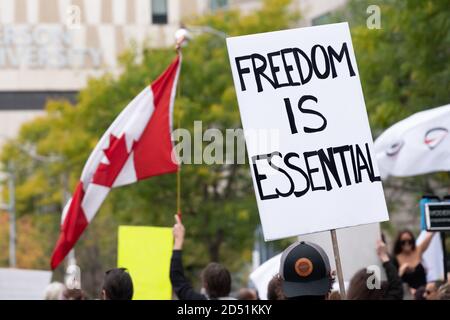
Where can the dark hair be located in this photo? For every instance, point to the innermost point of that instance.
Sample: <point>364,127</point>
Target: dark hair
<point>418,295</point>
<point>358,289</point>
<point>324,297</point>
<point>217,280</point>
<point>73,294</point>
<point>247,294</point>
<point>398,241</point>
<point>275,289</point>
<point>335,295</point>
<point>118,284</point>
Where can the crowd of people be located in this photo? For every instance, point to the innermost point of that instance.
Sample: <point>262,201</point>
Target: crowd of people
<point>305,274</point>
<point>117,285</point>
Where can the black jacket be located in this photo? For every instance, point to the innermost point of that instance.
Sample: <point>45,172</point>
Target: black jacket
<point>180,284</point>
<point>393,287</point>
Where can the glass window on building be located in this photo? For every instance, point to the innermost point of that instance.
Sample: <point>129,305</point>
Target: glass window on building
<point>218,4</point>
<point>159,12</point>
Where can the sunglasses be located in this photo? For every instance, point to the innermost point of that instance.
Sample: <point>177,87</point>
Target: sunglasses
<point>405,242</point>
<point>428,292</point>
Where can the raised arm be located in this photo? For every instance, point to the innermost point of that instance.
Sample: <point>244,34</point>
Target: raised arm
<point>394,289</point>
<point>178,234</point>
<point>180,284</point>
<point>423,246</point>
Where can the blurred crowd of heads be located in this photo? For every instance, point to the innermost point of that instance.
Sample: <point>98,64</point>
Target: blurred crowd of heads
<point>304,274</point>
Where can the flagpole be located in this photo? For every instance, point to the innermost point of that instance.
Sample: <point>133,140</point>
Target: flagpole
<point>179,173</point>
<point>337,259</point>
<point>180,38</point>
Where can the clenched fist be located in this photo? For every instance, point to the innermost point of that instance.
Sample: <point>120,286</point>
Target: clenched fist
<point>178,234</point>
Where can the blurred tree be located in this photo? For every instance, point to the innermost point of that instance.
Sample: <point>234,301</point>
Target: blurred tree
<point>217,200</point>
<point>4,239</point>
<point>404,65</point>
<point>31,247</point>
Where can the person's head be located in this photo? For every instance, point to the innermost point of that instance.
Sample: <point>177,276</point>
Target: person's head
<point>117,285</point>
<point>305,272</point>
<point>275,289</point>
<point>247,294</point>
<point>335,295</point>
<point>73,294</point>
<point>432,290</point>
<point>216,280</point>
<point>54,291</point>
<point>405,242</point>
<point>359,287</point>
<point>444,292</point>
<point>419,293</point>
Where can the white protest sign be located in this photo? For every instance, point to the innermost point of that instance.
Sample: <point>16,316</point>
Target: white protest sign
<point>304,84</point>
<point>18,284</point>
<point>357,248</point>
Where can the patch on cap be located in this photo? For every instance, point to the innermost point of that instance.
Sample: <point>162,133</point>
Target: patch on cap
<point>303,267</point>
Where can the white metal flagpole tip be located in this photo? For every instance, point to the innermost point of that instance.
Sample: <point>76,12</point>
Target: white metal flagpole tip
<point>181,37</point>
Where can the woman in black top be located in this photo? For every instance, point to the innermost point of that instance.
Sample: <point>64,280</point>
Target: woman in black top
<point>408,259</point>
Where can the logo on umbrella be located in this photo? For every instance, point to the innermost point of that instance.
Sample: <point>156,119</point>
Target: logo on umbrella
<point>434,137</point>
<point>395,148</point>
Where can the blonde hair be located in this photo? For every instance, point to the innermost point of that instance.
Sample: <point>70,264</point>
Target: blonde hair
<point>54,291</point>
<point>444,292</point>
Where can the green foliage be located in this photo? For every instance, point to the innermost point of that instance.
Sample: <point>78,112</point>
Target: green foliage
<point>218,203</point>
<point>404,66</point>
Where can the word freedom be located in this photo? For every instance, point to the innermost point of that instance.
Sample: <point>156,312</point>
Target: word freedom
<point>351,158</point>
<point>296,66</point>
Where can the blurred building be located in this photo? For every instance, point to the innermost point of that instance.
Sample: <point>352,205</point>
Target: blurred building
<point>49,48</point>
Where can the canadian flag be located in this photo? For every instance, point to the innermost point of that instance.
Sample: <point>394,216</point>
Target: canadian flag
<point>138,145</point>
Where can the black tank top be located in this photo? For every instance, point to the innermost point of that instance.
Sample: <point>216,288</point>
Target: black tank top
<point>416,278</point>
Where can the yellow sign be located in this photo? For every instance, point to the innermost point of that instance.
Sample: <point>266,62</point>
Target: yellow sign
<point>146,253</point>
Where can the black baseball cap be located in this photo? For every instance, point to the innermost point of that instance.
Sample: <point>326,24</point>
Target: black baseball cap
<point>305,270</point>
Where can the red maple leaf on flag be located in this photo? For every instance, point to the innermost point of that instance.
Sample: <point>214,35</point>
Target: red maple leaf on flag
<point>117,155</point>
